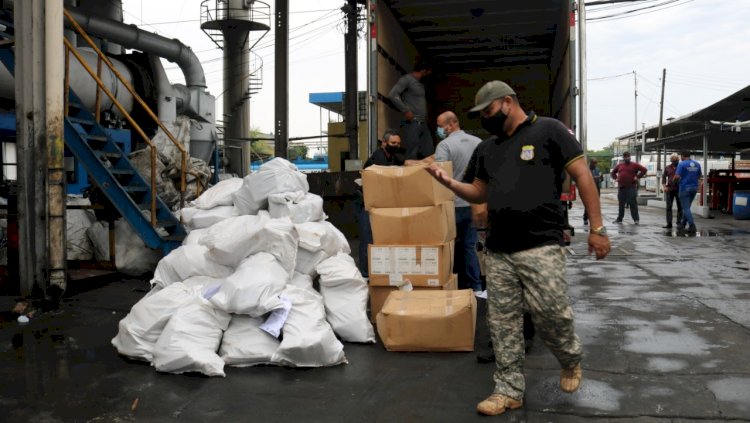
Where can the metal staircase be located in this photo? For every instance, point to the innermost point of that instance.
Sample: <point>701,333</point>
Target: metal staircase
<point>133,197</point>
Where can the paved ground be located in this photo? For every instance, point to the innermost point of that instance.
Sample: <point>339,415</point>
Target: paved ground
<point>665,322</point>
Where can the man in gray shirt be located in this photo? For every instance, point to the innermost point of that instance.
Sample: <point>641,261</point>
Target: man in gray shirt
<point>408,95</point>
<point>457,147</point>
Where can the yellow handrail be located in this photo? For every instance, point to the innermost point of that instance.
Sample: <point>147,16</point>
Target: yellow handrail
<point>70,49</point>
<point>138,99</point>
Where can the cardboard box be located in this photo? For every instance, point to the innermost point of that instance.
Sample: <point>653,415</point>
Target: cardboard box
<point>408,186</point>
<point>414,225</point>
<point>421,265</point>
<point>378,294</point>
<point>428,320</point>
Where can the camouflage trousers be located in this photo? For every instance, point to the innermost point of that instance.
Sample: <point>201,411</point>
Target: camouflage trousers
<point>533,280</point>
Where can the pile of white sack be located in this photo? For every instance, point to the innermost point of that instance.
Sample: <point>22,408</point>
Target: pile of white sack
<point>240,289</point>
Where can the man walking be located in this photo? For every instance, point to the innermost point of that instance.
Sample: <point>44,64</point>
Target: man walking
<point>408,95</point>
<point>519,172</point>
<point>688,177</point>
<point>458,146</point>
<point>671,189</point>
<point>627,174</point>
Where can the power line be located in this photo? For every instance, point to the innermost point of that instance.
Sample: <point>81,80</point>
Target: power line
<point>644,10</point>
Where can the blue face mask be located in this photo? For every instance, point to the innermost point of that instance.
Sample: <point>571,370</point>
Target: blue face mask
<point>441,133</point>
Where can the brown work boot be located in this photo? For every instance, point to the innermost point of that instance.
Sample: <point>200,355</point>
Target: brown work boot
<point>497,404</point>
<point>570,379</point>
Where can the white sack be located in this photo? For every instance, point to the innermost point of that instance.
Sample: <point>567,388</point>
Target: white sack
<point>194,236</point>
<point>190,340</point>
<point>77,221</point>
<point>345,296</point>
<point>187,261</point>
<point>278,238</point>
<point>141,328</point>
<point>317,236</point>
<point>307,260</point>
<point>231,240</point>
<point>245,344</point>
<point>308,340</point>
<point>298,205</point>
<point>302,281</point>
<point>195,218</point>
<point>219,194</point>
<point>253,288</point>
<point>277,175</point>
<point>132,256</point>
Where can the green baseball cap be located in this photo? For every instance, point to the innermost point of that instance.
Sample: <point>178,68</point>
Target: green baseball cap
<point>490,92</point>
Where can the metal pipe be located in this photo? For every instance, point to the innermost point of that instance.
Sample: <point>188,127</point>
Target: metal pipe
<point>54,63</point>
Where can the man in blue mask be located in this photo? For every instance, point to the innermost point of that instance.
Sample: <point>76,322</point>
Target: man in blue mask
<point>457,147</point>
<point>519,172</point>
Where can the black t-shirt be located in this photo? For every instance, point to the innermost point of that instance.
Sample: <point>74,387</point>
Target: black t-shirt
<point>524,175</point>
<point>379,157</point>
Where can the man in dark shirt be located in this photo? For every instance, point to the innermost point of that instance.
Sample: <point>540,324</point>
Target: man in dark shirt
<point>671,189</point>
<point>519,172</point>
<point>408,95</point>
<point>627,174</point>
<point>390,153</point>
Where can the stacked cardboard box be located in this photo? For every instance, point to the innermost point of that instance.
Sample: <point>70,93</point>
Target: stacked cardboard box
<point>413,230</point>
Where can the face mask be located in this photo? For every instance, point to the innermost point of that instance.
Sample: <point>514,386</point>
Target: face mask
<point>675,162</point>
<point>626,160</point>
<point>494,125</point>
<point>441,133</point>
<point>391,149</point>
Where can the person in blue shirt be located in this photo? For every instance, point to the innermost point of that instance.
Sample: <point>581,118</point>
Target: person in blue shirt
<point>688,177</point>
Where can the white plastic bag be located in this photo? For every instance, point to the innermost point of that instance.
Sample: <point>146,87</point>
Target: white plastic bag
<point>298,205</point>
<point>245,344</point>
<point>254,288</point>
<point>345,296</point>
<point>141,328</point>
<point>317,236</point>
<point>185,262</point>
<point>308,340</point>
<point>132,256</point>
<point>194,236</point>
<point>195,218</point>
<point>278,238</point>
<point>219,194</point>
<point>307,260</point>
<point>190,340</point>
<point>277,175</point>
<point>231,240</point>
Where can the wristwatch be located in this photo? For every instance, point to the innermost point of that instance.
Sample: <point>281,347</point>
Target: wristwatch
<point>601,230</point>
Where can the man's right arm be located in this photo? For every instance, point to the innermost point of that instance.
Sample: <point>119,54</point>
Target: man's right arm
<point>613,174</point>
<point>475,192</point>
<point>395,94</point>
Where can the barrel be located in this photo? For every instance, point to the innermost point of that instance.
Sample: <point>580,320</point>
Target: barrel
<point>740,207</point>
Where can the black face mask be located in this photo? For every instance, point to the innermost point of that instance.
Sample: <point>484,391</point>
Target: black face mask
<point>494,125</point>
<point>391,149</point>
<point>675,162</point>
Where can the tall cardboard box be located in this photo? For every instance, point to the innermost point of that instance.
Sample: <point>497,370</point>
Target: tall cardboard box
<point>421,265</point>
<point>408,186</point>
<point>428,320</point>
<point>378,294</point>
<point>414,225</point>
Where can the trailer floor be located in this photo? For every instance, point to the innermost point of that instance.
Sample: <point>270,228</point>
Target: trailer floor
<point>665,323</point>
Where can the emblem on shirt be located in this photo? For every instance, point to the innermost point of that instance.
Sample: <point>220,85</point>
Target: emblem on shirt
<point>527,152</point>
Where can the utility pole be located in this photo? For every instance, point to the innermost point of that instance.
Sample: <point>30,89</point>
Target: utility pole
<point>350,63</point>
<point>582,71</point>
<point>661,118</point>
<point>635,114</point>
<point>281,79</point>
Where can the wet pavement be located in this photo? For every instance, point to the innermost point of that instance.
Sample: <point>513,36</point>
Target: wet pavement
<point>665,323</point>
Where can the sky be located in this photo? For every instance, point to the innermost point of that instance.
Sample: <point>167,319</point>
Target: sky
<point>702,44</point>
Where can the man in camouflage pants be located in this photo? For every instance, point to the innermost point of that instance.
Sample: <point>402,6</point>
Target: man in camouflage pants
<point>519,172</point>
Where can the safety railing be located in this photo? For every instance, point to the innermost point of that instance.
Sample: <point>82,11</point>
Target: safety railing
<point>96,75</point>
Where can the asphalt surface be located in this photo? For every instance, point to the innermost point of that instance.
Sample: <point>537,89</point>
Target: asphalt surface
<point>665,323</point>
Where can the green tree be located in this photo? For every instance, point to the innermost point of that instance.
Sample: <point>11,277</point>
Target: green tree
<point>603,158</point>
<point>297,151</point>
<point>261,148</point>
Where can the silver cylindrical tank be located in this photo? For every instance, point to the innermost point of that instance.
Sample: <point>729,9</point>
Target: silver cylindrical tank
<point>82,83</point>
